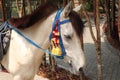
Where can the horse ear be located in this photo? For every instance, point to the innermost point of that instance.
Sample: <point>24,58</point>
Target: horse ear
<point>76,9</point>
<point>67,9</point>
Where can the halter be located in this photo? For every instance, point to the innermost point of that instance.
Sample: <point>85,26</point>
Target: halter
<point>56,22</point>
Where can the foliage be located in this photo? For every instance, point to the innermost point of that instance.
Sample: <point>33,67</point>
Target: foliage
<point>89,5</point>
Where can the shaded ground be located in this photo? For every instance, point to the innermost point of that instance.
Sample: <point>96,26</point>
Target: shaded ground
<point>110,59</point>
<point>58,74</point>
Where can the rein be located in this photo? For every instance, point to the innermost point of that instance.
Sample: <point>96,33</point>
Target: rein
<point>56,21</point>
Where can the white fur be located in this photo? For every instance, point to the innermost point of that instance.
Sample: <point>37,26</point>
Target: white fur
<point>73,48</point>
<point>23,59</point>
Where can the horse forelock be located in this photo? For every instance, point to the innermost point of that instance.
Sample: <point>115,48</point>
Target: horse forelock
<point>40,14</point>
<point>76,23</point>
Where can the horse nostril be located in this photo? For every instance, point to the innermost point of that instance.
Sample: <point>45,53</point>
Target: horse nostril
<point>82,75</point>
<point>70,62</point>
<point>81,69</point>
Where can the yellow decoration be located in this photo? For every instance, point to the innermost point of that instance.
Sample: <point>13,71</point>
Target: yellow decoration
<point>56,51</point>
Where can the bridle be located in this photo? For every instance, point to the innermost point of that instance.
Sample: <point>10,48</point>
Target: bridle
<point>56,24</point>
<point>56,29</point>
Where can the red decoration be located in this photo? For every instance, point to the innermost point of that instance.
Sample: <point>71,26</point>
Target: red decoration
<point>55,36</point>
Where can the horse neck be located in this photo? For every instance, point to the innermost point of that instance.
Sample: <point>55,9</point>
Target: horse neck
<point>40,31</point>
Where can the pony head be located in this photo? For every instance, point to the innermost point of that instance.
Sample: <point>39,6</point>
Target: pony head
<point>71,34</point>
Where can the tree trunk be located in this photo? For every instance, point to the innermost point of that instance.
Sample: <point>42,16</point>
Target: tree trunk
<point>97,41</point>
<point>107,10</point>
<point>29,5</point>
<point>21,8</point>
<point>114,27</point>
<point>2,10</point>
<point>7,9</point>
<point>76,3</point>
<point>119,19</point>
<point>64,2</point>
<point>98,45</point>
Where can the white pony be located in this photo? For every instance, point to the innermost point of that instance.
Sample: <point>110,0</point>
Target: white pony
<point>22,59</point>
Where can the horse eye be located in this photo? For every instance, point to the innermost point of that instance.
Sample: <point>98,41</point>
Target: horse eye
<point>70,62</point>
<point>68,37</point>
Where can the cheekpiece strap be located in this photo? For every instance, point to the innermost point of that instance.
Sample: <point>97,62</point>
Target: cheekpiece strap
<point>56,36</point>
